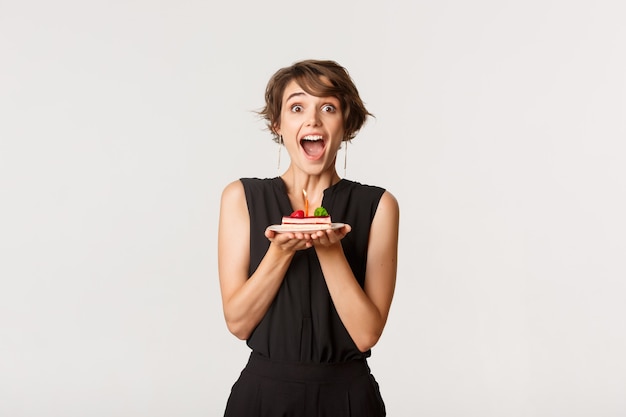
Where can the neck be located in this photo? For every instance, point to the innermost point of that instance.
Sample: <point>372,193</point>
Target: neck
<point>299,183</point>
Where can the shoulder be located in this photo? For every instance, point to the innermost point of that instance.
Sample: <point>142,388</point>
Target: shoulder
<point>243,185</point>
<point>363,191</point>
<point>386,222</point>
<point>386,205</point>
<point>376,194</point>
<point>251,189</point>
<point>233,197</point>
<point>233,190</point>
<point>361,186</point>
<point>262,185</point>
<point>389,204</point>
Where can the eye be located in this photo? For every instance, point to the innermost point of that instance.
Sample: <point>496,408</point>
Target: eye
<point>296,108</point>
<point>329,108</point>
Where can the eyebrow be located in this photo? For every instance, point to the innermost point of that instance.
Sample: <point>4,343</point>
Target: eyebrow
<point>299,93</point>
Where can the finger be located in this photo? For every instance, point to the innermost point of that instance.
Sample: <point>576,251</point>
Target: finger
<point>303,236</point>
<point>342,232</point>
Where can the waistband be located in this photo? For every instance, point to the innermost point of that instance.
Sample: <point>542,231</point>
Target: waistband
<point>306,371</point>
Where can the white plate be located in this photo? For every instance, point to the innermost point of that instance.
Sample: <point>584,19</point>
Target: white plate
<point>296,228</point>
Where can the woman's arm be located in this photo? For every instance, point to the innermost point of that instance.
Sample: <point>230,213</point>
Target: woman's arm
<point>364,311</point>
<point>245,300</point>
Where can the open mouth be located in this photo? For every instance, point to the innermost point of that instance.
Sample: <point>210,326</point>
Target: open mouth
<point>313,145</point>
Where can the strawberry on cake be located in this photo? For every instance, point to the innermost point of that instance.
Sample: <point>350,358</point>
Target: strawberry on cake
<point>298,221</point>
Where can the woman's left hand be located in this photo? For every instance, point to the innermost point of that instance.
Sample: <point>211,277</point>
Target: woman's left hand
<point>327,238</point>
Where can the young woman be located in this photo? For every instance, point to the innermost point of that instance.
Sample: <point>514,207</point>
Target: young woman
<point>309,305</point>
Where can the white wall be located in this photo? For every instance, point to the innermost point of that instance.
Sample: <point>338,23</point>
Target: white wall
<point>500,128</point>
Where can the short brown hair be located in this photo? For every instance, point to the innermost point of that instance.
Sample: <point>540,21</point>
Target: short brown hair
<point>310,75</point>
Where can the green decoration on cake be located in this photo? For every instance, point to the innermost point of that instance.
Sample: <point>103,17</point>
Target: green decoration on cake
<point>320,212</point>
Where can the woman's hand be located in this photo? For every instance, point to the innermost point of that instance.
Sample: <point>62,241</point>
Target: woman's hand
<point>300,241</point>
<point>330,237</point>
<point>289,241</point>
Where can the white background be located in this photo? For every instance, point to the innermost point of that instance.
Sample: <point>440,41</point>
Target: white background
<point>500,128</point>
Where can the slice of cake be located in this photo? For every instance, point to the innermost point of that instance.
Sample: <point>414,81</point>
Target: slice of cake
<point>298,221</point>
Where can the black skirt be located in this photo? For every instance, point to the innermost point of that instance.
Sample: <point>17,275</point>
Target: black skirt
<point>268,388</point>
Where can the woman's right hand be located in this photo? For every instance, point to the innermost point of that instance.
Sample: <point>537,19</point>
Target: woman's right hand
<point>289,241</point>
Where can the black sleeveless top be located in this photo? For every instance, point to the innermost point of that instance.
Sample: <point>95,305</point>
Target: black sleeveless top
<point>302,324</point>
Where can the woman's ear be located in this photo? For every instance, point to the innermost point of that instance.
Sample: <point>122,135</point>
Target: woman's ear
<point>276,129</point>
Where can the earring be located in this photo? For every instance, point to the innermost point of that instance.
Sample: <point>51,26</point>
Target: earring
<point>280,145</point>
<point>345,157</point>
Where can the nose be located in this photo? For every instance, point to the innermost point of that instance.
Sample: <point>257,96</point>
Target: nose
<point>313,118</point>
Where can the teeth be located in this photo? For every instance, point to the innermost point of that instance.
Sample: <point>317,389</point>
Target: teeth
<point>312,137</point>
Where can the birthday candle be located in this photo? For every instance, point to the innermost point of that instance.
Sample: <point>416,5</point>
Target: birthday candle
<point>306,204</point>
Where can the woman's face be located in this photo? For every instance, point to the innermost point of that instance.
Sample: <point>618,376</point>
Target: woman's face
<point>312,129</point>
